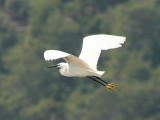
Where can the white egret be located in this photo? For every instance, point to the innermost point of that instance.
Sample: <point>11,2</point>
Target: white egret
<point>86,64</point>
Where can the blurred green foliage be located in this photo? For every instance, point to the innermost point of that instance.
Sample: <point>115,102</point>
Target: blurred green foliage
<point>30,91</point>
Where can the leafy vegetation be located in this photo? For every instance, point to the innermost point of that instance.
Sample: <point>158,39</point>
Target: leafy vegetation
<point>30,91</point>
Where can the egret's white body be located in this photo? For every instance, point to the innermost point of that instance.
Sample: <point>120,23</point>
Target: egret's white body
<point>86,64</point>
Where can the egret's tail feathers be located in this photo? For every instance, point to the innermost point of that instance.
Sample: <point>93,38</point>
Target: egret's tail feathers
<point>100,73</point>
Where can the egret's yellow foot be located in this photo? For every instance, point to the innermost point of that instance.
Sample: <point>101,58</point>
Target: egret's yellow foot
<point>111,87</point>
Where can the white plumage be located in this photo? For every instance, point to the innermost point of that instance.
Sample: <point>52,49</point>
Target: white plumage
<point>86,64</point>
<point>92,46</point>
<point>54,54</point>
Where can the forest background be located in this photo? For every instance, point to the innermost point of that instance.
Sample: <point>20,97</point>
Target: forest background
<point>30,91</point>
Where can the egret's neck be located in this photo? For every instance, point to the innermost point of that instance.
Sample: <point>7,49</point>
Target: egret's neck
<point>64,68</point>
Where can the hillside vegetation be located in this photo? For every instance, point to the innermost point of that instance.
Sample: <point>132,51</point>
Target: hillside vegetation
<point>30,91</point>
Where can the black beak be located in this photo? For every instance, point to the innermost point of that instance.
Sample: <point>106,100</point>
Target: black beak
<point>52,66</point>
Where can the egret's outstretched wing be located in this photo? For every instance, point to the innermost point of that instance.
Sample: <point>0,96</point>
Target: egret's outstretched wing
<point>70,59</point>
<point>54,54</point>
<point>92,46</point>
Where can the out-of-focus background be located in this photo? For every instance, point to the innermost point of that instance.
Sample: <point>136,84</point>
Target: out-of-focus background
<point>30,91</point>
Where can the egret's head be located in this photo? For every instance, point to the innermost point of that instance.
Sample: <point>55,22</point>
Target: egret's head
<point>59,65</point>
<point>62,65</point>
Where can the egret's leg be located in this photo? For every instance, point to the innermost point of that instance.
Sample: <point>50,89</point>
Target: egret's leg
<point>100,79</point>
<point>110,86</point>
<point>92,78</point>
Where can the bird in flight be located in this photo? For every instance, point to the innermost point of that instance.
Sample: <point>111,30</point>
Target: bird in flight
<point>86,64</point>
